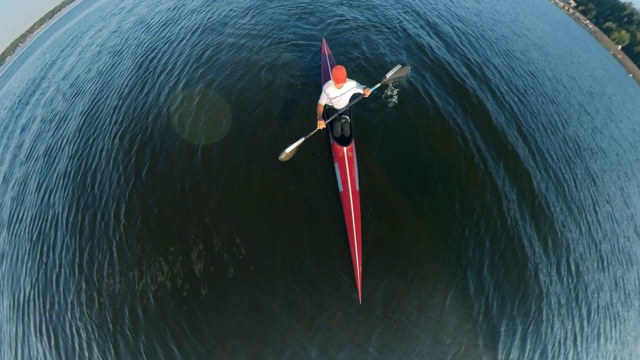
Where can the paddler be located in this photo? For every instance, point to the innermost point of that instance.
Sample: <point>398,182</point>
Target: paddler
<point>336,94</point>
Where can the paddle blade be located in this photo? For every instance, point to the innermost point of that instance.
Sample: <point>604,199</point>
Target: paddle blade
<point>290,151</point>
<point>395,68</point>
<point>397,73</point>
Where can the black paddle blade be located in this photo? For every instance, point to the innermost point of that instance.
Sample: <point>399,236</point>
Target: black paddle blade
<point>284,156</point>
<point>291,150</point>
<point>398,74</point>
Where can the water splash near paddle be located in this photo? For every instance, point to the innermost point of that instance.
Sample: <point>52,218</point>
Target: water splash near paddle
<point>391,95</point>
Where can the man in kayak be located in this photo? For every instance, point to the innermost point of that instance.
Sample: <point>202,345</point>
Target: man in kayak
<point>336,94</point>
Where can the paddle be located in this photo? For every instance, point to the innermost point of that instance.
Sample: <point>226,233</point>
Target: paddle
<point>396,73</point>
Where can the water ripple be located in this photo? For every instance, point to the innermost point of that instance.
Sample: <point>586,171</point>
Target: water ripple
<point>500,215</point>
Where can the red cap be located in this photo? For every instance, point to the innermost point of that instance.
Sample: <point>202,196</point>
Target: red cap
<point>339,74</point>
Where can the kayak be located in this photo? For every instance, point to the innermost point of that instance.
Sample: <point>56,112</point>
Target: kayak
<point>345,162</point>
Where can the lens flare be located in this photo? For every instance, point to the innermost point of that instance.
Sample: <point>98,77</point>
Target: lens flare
<point>201,116</point>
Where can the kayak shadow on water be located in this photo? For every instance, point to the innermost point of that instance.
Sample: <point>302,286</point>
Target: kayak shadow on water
<point>200,116</point>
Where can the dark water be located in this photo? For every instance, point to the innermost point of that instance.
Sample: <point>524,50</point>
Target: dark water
<point>145,214</point>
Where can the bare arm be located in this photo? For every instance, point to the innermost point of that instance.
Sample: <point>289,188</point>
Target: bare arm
<point>320,120</point>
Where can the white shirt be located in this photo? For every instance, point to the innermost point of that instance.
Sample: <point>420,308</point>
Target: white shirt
<point>339,98</point>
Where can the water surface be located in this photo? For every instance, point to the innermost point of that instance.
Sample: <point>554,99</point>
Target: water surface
<point>145,214</point>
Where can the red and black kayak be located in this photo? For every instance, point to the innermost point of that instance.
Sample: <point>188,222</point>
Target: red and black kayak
<point>345,162</point>
<point>343,151</point>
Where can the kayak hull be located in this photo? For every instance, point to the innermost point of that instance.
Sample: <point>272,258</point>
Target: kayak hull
<point>345,162</point>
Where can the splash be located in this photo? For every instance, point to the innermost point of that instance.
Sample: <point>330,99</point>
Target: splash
<point>391,95</point>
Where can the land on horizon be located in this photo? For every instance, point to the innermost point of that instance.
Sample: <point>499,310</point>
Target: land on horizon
<point>17,16</point>
<point>615,50</point>
<point>7,19</point>
<point>15,12</point>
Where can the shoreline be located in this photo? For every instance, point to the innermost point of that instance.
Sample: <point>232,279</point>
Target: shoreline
<point>631,68</point>
<point>19,43</point>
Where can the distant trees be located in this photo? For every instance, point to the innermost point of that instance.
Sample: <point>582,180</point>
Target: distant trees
<point>620,37</point>
<point>619,20</point>
<point>38,24</point>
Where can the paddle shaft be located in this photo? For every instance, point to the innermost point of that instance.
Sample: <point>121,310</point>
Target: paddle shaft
<point>343,110</point>
<point>397,72</point>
